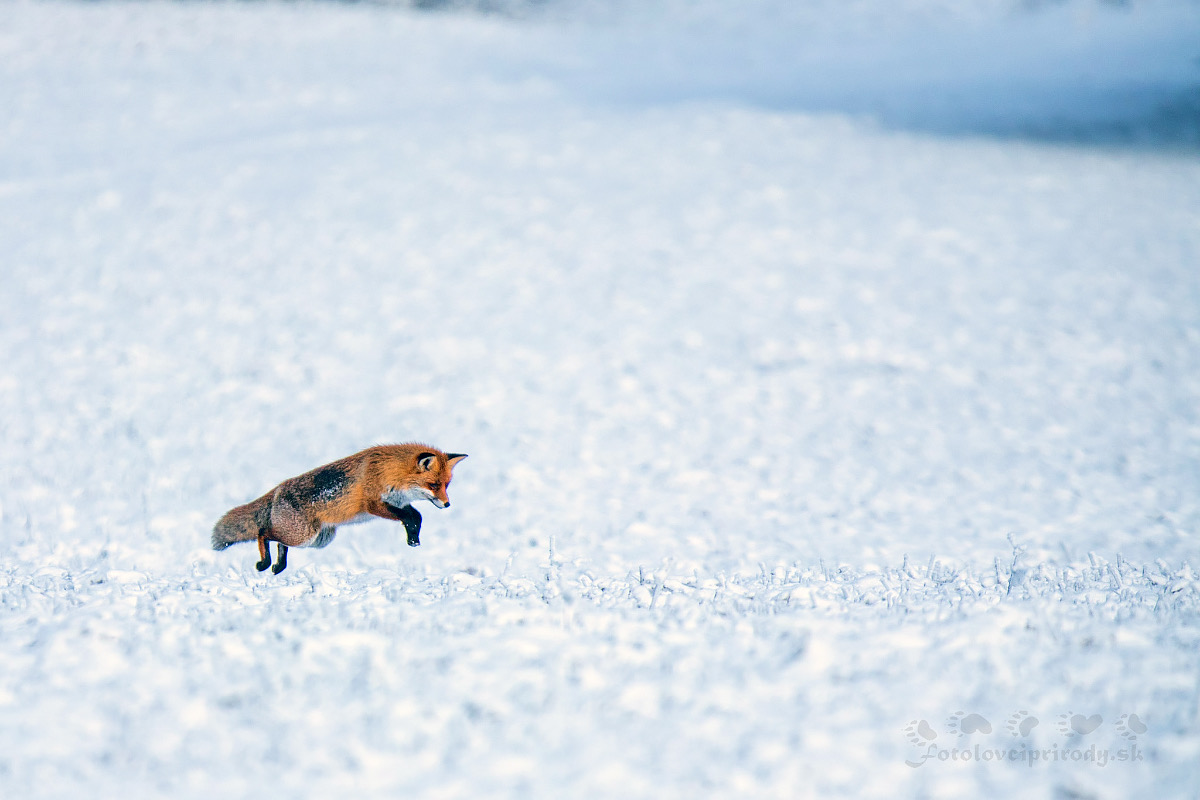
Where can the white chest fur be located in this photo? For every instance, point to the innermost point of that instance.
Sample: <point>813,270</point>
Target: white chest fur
<point>404,497</point>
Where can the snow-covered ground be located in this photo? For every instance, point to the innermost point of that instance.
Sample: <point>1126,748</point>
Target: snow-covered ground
<point>830,378</point>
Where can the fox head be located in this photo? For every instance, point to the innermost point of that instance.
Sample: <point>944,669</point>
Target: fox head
<point>434,474</point>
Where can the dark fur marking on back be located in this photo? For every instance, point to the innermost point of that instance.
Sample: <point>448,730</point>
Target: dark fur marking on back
<point>327,484</point>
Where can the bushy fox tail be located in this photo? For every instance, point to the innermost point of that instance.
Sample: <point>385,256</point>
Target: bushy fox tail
<point>242,524</point>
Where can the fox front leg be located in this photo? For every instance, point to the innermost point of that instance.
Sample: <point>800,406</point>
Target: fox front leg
<point>412,522</point>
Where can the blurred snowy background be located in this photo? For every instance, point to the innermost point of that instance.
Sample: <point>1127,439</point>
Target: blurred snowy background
<point>830,374</point>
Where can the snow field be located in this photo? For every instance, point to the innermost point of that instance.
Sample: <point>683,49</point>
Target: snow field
<point>475,683</point>
<point>787,431</point>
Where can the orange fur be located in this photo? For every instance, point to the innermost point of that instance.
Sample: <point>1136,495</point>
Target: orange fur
<point>381,481</point>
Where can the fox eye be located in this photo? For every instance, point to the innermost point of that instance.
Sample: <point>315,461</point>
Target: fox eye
<point>435,486</point>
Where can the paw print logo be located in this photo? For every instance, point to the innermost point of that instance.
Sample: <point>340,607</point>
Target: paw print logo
<point>1130,726</point>
<point>1022,723</point>
<point>919,732</point>
<point>1077,724</point>
<point>964,724</point>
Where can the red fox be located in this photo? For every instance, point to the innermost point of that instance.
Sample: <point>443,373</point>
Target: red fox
<point>304,511</point>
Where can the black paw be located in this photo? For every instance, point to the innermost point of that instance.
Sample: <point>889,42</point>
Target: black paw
<point>278,568</point>
<point>412,524</point>
<point>262,565</point>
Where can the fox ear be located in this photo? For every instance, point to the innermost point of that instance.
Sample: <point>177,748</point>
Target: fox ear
<point>454,458</point>
<point>426,462</point>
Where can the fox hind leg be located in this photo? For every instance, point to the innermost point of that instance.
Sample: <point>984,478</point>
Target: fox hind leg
<point>264,553</point>
<point>280,560</point>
